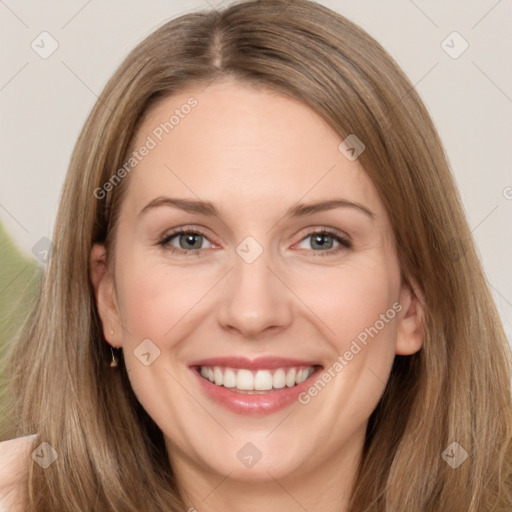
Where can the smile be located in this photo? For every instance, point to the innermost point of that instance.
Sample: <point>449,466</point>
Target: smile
<point>245,380</point>
<point>254,387</point>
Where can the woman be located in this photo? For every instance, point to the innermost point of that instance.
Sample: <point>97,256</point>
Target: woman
<point>264,293</point>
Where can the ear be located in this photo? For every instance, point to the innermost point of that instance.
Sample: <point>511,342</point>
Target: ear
<point>410,321</point>
<point>105,295</point>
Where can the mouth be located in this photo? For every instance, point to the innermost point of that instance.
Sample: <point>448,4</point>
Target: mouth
<point>254,387</point>
<point>243,380</point>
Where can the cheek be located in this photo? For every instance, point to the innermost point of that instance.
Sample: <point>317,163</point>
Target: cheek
<point>360,305</point>
<point>155,303</point>
<point>355,301</point>
<point>153,298</point>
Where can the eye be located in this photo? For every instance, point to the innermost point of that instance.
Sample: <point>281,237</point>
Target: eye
<point>191,241</point>
<point>324,240</point>
<point>184,241</point>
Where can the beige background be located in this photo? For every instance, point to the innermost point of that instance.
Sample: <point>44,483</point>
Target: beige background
<point>44,102</point>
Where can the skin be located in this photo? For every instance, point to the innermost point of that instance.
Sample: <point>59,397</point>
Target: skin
<point>254,154</point>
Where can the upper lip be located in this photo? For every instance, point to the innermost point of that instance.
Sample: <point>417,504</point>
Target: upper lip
<point>260,363</point>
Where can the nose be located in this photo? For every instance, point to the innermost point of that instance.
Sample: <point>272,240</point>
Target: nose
<point>255,298</point>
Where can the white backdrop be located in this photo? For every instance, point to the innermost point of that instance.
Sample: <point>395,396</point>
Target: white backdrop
<point>57,55</point>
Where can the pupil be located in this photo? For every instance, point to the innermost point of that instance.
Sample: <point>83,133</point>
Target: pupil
<point>189,239</point>
<point>320,240</point>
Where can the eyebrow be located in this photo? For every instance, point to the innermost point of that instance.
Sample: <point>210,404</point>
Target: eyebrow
<point>298,210</point>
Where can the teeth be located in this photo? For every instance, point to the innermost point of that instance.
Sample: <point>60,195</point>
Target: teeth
<point>290,377</point>
<point>302,375</point>
<point>245,380</point>
<point>279,379</point>
<point>259,380</point>
<point>217,374</point>
<point>263,380</point>
<point>229,378</point>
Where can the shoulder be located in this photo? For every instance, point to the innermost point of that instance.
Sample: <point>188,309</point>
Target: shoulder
<point>14,460</point>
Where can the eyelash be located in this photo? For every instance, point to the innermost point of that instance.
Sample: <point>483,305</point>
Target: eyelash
<point>164,242</point>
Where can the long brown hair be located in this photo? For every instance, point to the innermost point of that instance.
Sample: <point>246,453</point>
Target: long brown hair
<point>456,389</point>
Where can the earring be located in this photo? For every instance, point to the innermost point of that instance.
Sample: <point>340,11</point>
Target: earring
<point>114,361</point>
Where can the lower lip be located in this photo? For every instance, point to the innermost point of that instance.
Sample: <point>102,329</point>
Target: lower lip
<point>257,404</point>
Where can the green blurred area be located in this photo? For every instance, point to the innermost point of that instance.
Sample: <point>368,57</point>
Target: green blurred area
<point>19,281</point>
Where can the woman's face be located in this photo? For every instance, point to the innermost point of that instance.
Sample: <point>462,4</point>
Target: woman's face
<point>295,276</point>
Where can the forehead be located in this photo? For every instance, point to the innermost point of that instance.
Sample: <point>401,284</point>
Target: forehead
<point>232,143</point>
